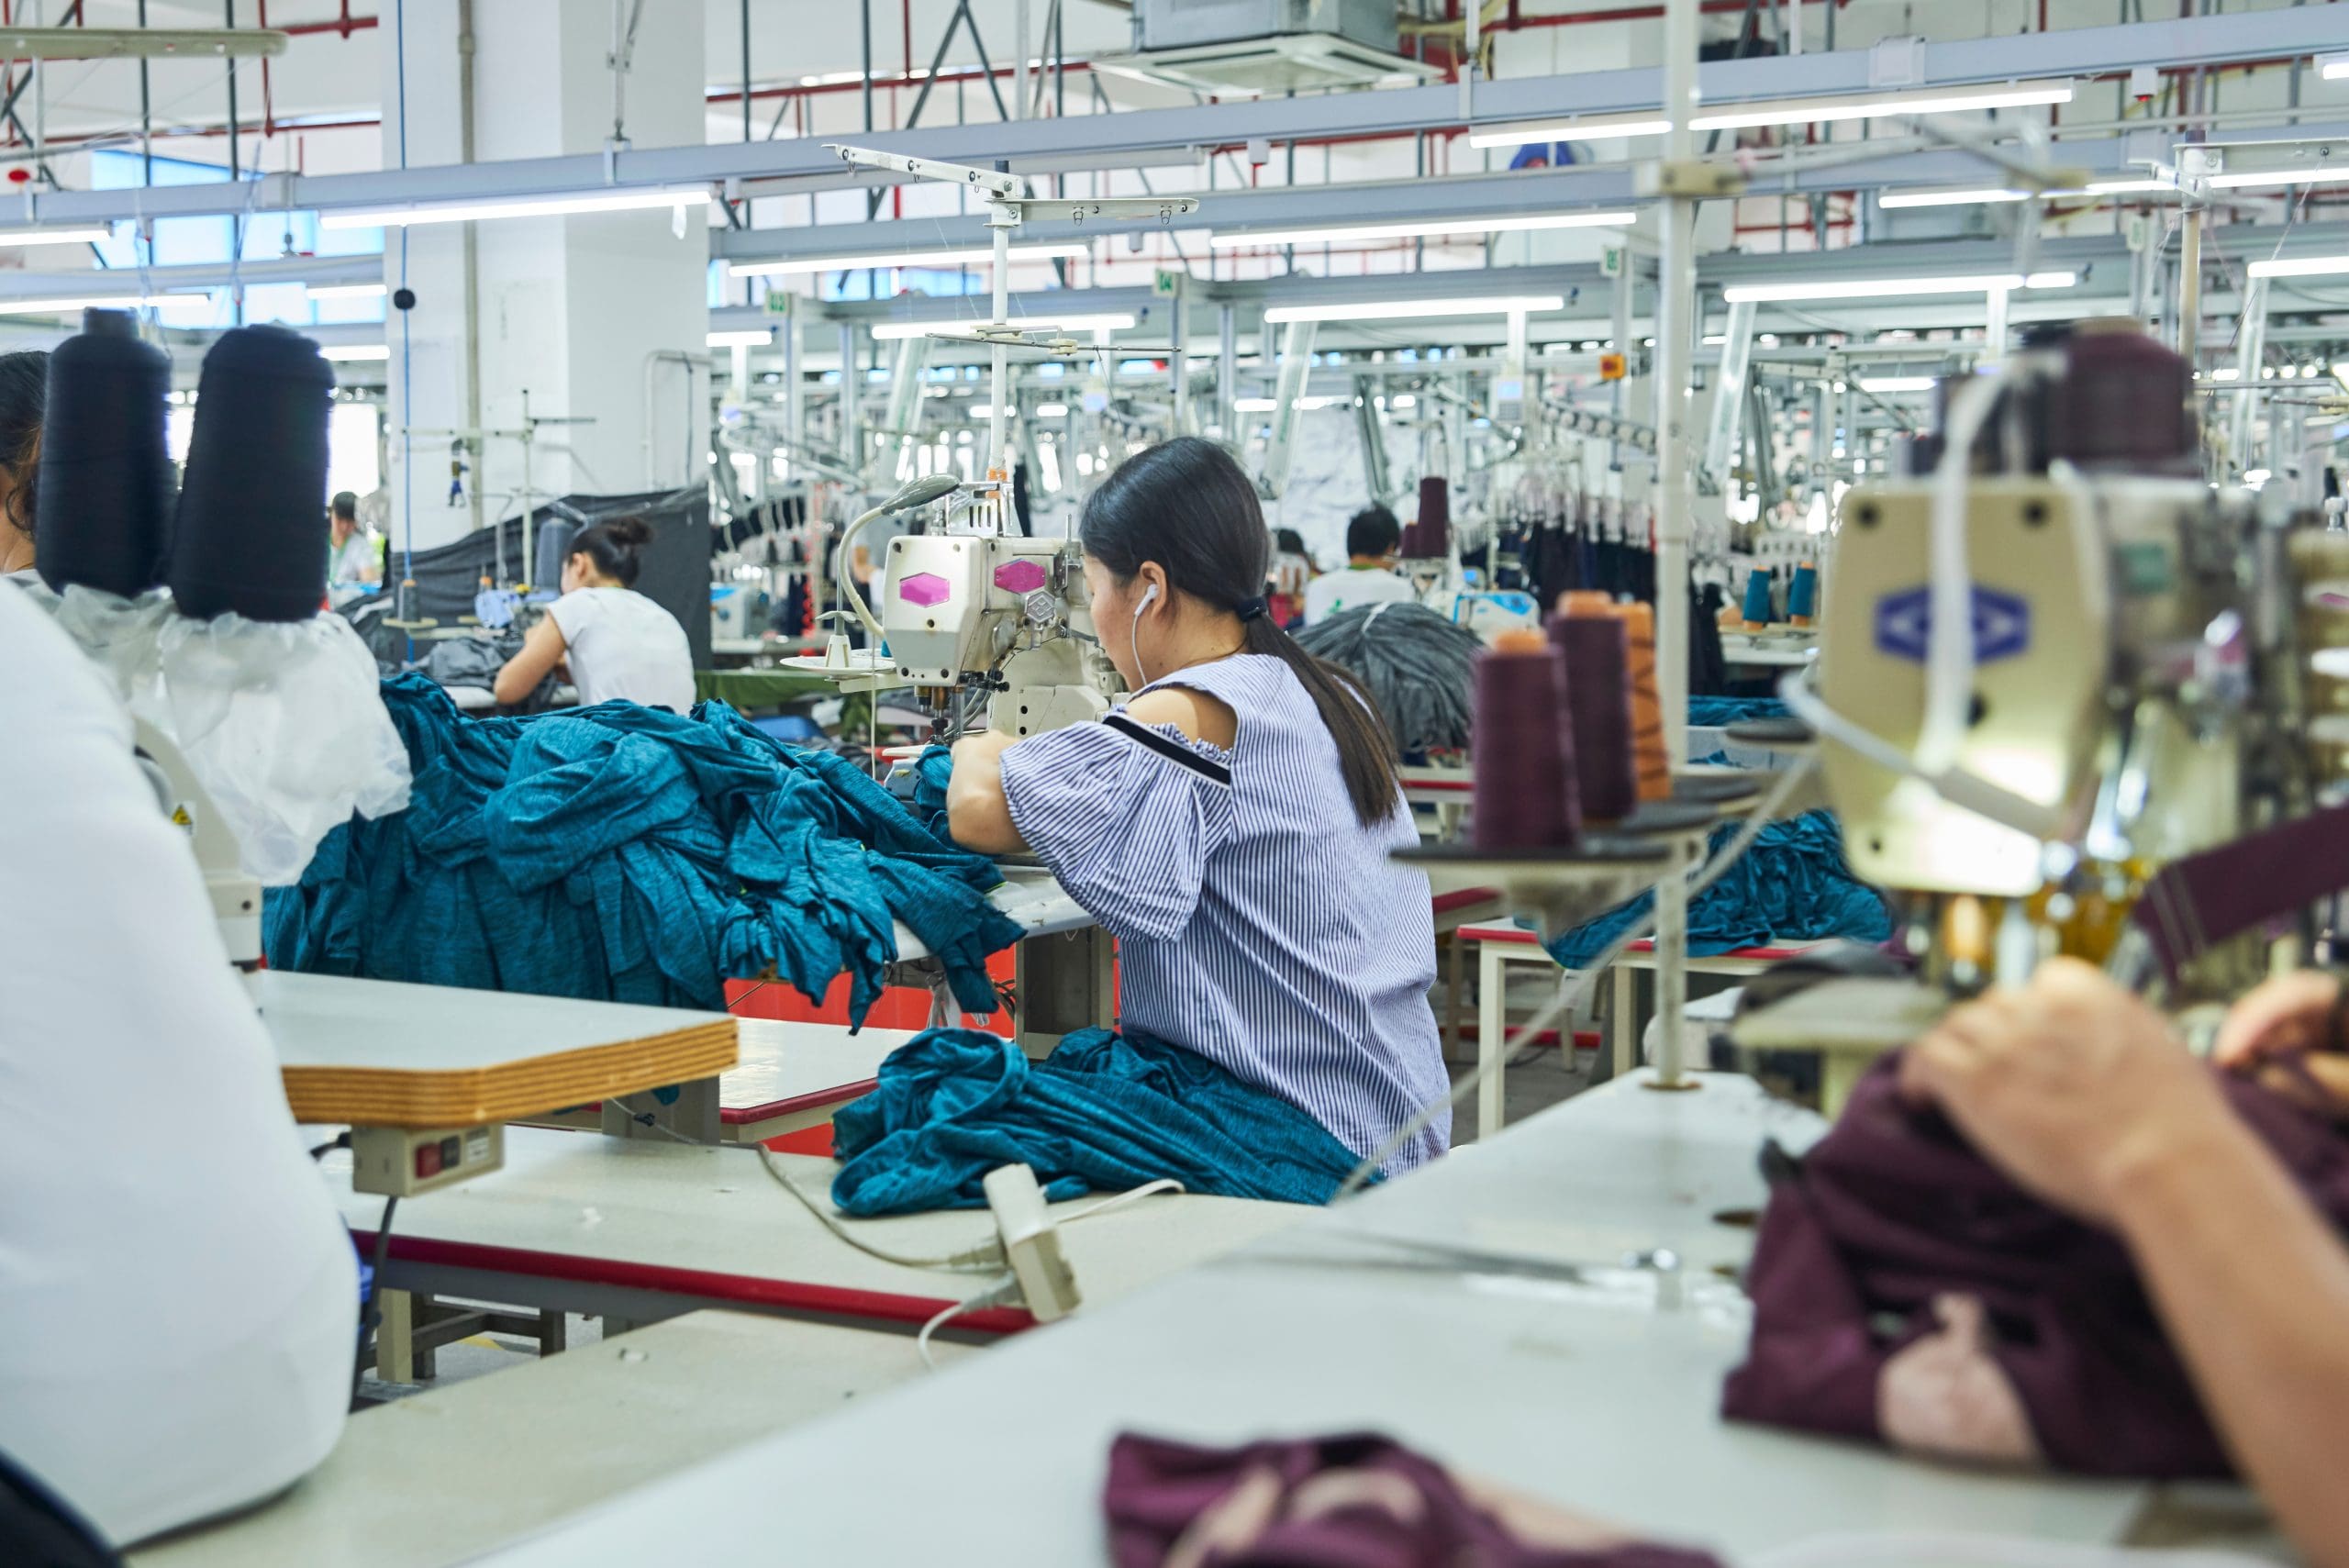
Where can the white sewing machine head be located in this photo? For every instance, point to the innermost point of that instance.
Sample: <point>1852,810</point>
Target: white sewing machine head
<point>971,613</point>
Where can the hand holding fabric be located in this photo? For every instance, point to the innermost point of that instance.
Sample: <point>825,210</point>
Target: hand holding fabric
<point>2290,1019</point>
<point>2070,1084</point>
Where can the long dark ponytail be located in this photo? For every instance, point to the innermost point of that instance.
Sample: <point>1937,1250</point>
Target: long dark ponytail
<point>1185,505</point>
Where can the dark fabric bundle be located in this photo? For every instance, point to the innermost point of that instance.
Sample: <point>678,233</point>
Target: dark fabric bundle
<point>1791,885</point>
<point>1905,1291</point>
<point>625,853</point>
<point>1354,1501</point>
<point>1418,667</point>
<point>1104,1113</point>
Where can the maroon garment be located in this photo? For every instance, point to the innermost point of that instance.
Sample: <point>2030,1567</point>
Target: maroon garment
<point>1354,1501</point>
<point>1878,1239</point>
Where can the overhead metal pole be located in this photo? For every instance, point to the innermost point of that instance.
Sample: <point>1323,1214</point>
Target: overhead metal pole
<point>2190,285</point>
<point>1227,371</point>
<point>746,70</point>
<point>1019,59</point>
<point>234,172</point>
<point>1675,346</point>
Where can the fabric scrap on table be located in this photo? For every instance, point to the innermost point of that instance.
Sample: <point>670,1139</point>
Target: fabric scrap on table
<point>627,853</point>
<point>1906,1292</point>
<point>1791,884</point>
<point>1357,1500</point>
<point>1106,1112</point>
<point>1719,713</point>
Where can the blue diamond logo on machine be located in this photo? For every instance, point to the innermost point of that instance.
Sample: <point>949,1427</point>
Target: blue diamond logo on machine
<point>1904,624</point>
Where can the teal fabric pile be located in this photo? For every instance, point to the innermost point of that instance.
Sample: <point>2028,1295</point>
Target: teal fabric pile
<point>624,853</point>
<point>1792,885</point>
<point>1104,1113</point>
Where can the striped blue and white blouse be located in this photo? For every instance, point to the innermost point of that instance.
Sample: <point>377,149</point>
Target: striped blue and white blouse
<point>1258,922</point>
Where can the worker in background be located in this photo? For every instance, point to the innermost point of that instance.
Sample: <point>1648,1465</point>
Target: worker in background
<point>2081,1093</point>
<point>355,558</point>
<point>178,1309</point>
<point>619,645</point>
<point>1293,570</point>
<point>1231,823</point>
<point>1374,541</point>
<point>24,401</point>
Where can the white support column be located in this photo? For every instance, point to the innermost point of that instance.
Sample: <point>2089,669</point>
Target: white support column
<point>2251,351</point>
<point>579,312</point>
<point>1675,349</point>
<point>1996,333</point>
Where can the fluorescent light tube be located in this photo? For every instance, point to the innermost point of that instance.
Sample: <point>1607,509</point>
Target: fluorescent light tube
<point>87,235</point>
<point>1573,128</point>
<point>70,306</point>
<point>1052,410</point>
<point>1497,225</point>
<point>346,291</point>
<point>1878,105</point>
<point>2300,267</point>
<point>1404,309</point>
<point>1979,195</point>
<point>1895,288</point>
<point>975,255</point>
<point>887,331</point>
<point>1793,111</point>
<point>2122,187</point>
<point>1881,384</point>
<point>356,352</point>
<point>2334,67</point>
<point>1254,405</point>
<point>2311,174</point>
<point>750,338</point>
<point>527,207</point>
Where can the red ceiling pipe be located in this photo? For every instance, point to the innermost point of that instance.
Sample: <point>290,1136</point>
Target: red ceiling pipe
<point>345,25</point>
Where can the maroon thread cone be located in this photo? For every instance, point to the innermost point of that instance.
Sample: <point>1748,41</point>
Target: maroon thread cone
<point>1525,791</point>
<point>1431,535</point>
<point>1597,652</point>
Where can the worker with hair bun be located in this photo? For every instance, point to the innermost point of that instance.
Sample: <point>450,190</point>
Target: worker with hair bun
<point>619,645</point>
<point>24,397</point>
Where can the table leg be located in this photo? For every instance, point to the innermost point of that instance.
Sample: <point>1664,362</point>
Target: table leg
<point>395,1336</point>
<point>1451,966</point>
<point>1065,983</point>
<point>1624,1028</point>
<point>1492,1032</point>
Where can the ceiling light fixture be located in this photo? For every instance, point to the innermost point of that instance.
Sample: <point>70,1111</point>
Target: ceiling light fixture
<point>2300,267</point>
<point>530,206</point>
<point>89,235</point>
<point>1495,225</point>
<point>1895,288</point>
<point>1978,196</point>
<point>1883,383</point>
<point>1395,309</point>
<point>889,331</point>
<point>2334,67</point>
<point>2311,174</point>
<point>70,306</point>
<point>1791,111</point>
<point>968,256</point>
<point>750,338</point>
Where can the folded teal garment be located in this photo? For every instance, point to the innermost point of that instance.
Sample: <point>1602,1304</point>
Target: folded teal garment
<point>626,853</point>
<point>1791,884</point>
<point>1104,1113</point>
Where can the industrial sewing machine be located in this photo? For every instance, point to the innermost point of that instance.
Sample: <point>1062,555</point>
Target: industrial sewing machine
<point>2128,712</point>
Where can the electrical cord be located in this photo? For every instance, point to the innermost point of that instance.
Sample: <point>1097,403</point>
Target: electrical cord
<point>988,1255</point>
<point>330,1146</point>
<point>1164,1185</point>
<point>1570,997</point>
<point>1003,1291</point>
<point>368,1316</point>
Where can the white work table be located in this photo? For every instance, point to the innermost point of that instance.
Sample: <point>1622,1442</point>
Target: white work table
<point>1601,1393</point>
<point>644,1229</point>
<point>438,1477</point>
<point>1030,897</point>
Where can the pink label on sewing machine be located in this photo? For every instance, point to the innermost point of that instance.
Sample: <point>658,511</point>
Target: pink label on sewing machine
<point>1019,576</point>
<point>925,588</point>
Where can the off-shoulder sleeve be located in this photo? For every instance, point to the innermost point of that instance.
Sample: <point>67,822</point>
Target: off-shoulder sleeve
<point>1125,814</point>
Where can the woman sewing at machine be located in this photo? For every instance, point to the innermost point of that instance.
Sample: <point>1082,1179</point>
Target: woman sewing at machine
<point>617,644</point>
<point>1230,825</point>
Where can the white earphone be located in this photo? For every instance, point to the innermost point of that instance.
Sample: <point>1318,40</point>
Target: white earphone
<point>1149,597</point>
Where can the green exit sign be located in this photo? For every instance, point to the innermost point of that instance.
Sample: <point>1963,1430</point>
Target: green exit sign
<point>1166,284</point>
<point>779,302</point>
